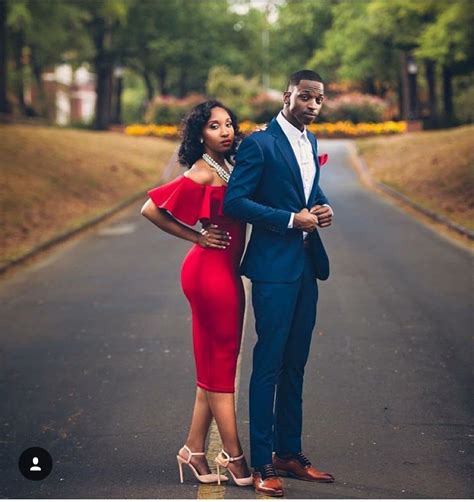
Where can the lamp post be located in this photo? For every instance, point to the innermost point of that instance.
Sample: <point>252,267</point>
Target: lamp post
<point>412,70</point>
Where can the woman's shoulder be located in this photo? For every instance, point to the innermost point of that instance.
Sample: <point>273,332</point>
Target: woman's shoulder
<point>201,173</point>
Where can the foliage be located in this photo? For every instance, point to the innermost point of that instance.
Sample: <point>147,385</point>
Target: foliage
<point>234,90</point>
<point>299,33</point>
<point>264,107</point>
<point>448,39</point>
<point>354,107</point>
<point>177,47</point>
<point>464,98</point>
<point>171,110</point>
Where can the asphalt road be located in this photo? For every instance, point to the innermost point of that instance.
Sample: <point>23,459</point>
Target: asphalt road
<point>97,368</point>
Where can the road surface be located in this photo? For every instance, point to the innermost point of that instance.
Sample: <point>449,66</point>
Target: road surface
<point>97,363</point>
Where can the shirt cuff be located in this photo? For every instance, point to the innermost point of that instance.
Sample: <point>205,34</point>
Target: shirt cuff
<point>292,217</point>
<point>327,205</point>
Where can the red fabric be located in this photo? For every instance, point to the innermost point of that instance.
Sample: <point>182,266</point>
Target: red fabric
<point>323,159</point>
<point>187,200</point>
<point>211,281</point>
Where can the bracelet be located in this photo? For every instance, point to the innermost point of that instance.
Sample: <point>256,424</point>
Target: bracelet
<point>203,231</point>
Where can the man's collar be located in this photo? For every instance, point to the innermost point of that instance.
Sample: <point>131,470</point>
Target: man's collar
<point>290,130</point>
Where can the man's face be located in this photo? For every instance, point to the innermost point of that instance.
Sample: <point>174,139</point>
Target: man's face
<point>303,102</point>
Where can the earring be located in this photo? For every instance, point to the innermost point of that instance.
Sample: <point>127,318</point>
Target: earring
<point>201,141</point>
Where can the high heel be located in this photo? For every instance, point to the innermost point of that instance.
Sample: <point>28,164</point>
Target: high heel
<point>223,460</point>
<point>202,478</point>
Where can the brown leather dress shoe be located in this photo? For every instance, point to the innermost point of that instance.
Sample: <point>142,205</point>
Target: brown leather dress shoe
<point>299,467</point>
<point>266,481</point>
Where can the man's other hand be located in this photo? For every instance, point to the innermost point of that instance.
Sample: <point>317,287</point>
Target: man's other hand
<point>305,221</point>
<point>324,215</point>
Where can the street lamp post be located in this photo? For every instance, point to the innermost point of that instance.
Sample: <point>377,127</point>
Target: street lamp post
<point>412,70</point>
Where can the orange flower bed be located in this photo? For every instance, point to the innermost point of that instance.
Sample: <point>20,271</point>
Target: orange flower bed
<point>325,130</point>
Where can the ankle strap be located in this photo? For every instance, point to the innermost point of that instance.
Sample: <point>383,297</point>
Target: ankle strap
<point>230,459</point>
<point>191,454</point>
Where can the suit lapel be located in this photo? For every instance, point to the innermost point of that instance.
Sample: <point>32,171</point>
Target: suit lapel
<point>284,146</point>
<point>316,175</point>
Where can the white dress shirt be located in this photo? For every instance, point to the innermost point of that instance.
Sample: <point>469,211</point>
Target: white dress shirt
<point>303,151</point>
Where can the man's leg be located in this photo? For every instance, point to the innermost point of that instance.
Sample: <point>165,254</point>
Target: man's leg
<point>274,305</point>
<point>289,403</point>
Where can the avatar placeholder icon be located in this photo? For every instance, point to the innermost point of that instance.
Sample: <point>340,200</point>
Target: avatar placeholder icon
<point>35,463</point>
<point>35,467</point>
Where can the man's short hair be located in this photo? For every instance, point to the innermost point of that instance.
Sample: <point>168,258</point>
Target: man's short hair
<point>296,78</point>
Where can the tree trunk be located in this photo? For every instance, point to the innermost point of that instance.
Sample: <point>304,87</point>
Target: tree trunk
<point>103,70</point>
<point>150,91</point>
<point>400,97</point>
<point>18,43</point>
<point>405,87</point>
<point>431,81</point>
<point>369,86</point>
<point>45,109</point>
<point>183,83</point>
<point>4,104</point>
<point>162,75</point>
<point>118,87</point>
<point>448,93</point>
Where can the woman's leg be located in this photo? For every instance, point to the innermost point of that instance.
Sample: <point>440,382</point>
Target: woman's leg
<point>223,409</point>
<point>200,423</point>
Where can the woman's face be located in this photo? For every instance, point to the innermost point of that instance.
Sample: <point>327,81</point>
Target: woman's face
<point>218,133</point>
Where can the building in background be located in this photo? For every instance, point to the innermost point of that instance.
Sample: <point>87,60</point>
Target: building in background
<point>70,94</point>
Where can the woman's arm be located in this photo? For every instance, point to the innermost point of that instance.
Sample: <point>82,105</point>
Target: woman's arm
<point>214,237</point>
<point>163,220</point>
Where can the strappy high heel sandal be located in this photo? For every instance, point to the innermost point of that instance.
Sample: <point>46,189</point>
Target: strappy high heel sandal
<point>202,478</point>
<point>223,460</point>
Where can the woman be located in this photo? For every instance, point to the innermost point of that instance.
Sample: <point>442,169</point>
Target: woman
<point>210,280</point>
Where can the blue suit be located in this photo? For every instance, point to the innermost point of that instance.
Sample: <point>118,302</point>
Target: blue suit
<point>265,187</point>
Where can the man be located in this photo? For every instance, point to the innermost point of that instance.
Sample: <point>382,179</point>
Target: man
<point>275,187</point>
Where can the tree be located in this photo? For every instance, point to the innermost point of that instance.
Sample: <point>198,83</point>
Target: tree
<point>37,33</point>
<point>4,105</point>
<point>448,41</point>
<point>102,21</point>
<point>299,32</point>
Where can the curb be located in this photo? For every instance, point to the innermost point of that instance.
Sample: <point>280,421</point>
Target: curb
<point>168,172</point>
<point>363,171</point>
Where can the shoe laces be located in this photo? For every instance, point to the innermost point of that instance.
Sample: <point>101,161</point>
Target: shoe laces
<point>303,459</point>
<point>267,471</point>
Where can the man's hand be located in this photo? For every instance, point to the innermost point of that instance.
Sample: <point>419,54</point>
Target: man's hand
<point>324,214</point>
<point>305,221</point>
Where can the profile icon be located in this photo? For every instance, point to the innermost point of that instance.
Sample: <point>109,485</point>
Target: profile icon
<point>35,463</point>
<point>35,467</point>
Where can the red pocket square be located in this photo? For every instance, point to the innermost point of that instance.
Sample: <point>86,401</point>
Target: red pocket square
<point>323,159</point>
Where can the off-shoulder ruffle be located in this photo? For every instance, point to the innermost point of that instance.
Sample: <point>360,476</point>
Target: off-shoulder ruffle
<point>189,201</point>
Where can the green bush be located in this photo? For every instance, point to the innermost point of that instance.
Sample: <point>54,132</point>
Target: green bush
<point>235,91</point>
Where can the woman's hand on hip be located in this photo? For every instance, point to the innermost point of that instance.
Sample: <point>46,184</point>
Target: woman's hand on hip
<point>212,237</point>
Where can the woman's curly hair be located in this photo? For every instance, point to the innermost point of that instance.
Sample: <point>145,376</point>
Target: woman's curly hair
<point>191,149</point>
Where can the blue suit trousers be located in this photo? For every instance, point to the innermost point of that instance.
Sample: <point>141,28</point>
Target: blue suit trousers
<point>285,315</point>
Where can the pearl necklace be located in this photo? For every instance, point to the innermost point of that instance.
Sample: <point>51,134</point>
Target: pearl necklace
<point>221,172</point>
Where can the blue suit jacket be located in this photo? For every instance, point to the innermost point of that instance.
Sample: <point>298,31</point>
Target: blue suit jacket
<point>265,187</point>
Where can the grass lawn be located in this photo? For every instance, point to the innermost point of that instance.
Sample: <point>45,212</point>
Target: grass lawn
<point>433,168</point>
<point>52,179</point>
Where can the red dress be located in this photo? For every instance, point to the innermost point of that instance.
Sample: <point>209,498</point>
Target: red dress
<point>210,280</point>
